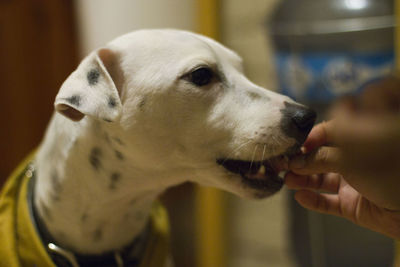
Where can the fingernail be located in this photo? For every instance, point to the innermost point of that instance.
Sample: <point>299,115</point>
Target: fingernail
<point>298,162</point>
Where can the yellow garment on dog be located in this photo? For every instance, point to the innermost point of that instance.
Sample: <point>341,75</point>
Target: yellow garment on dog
<point>20,244</point>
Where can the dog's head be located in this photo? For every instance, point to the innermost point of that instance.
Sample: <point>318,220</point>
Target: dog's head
<point>183,107</point>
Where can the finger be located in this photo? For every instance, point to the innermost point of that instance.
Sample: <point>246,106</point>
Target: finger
<point>353,129</point>
<point>323,160</point>
<point>320,135</point>
<point>381,96</point>
<point>323,203</point>
<point>344,104</point>
<point>322,182</point>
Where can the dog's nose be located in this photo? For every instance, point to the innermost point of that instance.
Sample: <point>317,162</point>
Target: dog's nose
<point>304,119</point>
<point>297,121</point>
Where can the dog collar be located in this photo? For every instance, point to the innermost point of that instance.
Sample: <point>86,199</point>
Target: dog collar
<point>131,255</point>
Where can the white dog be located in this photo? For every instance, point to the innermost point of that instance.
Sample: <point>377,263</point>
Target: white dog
<point>150,110</point>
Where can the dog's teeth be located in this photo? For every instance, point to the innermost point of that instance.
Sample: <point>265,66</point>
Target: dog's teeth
<point>262,169</point>
<point>282,174</point>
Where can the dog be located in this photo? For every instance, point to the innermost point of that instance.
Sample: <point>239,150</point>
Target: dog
<point>150,110</point>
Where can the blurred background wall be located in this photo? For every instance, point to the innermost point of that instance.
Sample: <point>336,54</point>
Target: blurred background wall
<point>101,21</point>
<point>38,50</point>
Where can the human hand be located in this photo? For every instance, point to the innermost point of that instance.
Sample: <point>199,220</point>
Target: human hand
<point>327,192</point>
<point>330,194</point>
<point>362,144</point>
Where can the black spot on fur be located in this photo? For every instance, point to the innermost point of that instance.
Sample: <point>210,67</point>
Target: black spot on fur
<point>139,216</point>
<point>119,155</point>
<point>115,177</point>
<point>55,181</point>
<point>133,201</point>
<point>93,76</point>
<point>119,141</point>
<point>74,100</point>
<point>84,217</point>
<point>54,197</point>
<point>94,158</point>
<point>56,185</point>
<point>142,103</point>
<point>107,138</point>
<point>254,95</point>
<point>112,103</point>
<point>97,235</point>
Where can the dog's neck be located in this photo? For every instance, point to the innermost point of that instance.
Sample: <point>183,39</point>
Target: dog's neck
<point>88,193</point>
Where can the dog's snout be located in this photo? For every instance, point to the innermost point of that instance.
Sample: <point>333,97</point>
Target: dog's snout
<point>297,121</point>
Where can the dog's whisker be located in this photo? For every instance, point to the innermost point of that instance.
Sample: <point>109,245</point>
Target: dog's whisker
<point>252,159</point>
<point>236,150</point>
<point>263,154</point>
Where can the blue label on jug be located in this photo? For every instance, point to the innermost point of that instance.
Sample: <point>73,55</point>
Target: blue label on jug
<point>322,77</point>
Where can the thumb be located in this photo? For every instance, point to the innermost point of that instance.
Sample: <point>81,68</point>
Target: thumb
<point>323,160</point>
<point>321,134</point>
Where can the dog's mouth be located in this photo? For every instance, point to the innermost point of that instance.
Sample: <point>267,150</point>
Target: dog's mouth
<point>265,176</point>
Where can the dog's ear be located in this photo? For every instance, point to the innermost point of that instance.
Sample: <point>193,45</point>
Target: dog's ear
<point>93,89</point>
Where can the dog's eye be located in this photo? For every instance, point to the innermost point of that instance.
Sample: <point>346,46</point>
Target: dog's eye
<point>201,76</point>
